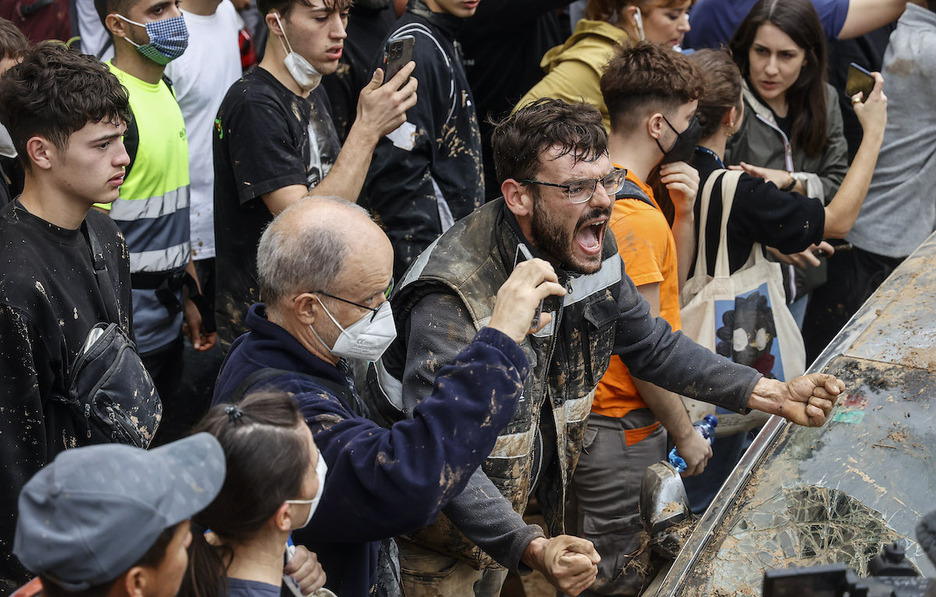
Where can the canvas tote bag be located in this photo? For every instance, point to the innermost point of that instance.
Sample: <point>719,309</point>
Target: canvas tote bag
<point>743,315</point>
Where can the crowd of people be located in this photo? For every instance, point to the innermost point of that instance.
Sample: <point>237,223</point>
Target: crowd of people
<point>444,297</point>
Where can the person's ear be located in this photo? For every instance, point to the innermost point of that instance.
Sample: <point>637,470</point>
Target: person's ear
<point>630,17</point>
<point>518,197</point>
<point>41,152</point>
<point>655,125</point>
<point>306,307</point>
<point>272,23</point>
<point>135,581</point>
<point>116,26</point>
<point>282,519</point>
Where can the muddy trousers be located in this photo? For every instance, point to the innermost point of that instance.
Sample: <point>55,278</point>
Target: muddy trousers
<point>604,496</point>
<point>431,574</point>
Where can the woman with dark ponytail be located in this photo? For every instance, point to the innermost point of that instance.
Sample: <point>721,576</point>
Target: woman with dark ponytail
<point>274,483</point>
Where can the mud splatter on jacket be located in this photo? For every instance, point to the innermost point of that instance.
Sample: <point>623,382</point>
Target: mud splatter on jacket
<point>49,301</point>
<point>602,315</point>
<point>427,174</point>
<point>383,482</point>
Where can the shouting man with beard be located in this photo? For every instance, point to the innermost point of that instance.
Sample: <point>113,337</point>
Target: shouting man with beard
<point>558,185</point>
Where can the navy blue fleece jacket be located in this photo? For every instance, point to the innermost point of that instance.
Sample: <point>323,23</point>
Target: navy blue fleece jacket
<point>384,482</point>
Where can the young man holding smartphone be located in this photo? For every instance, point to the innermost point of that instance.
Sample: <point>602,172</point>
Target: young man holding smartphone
<point>428,172</point>
<point>274,140</point>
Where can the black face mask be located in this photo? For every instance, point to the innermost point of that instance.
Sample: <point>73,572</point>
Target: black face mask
<point>684,146</point>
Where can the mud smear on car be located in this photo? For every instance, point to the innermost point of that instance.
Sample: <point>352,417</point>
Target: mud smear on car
<point>835,494</point>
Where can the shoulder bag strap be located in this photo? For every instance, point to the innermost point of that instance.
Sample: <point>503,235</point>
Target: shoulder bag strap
<point>704,199</point>
<point>729,185</point>
<point>100,272</point>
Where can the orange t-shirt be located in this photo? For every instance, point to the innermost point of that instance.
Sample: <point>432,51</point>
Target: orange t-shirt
<point>645,242</point>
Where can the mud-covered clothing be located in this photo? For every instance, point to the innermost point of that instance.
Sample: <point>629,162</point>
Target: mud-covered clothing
<point>604,497</point>
<point>760,213</point>
<point>427,173</point>
<point>384,482</point>
<point>601,315</point>
<point>574,69</point>
<point>761,141</point>
<point>49,301</point>
<point>265,138</point>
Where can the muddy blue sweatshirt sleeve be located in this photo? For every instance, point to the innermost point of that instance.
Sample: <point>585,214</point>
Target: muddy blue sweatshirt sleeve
<point>654,353</point>
<point>385,482</point>
<point>438,327</point>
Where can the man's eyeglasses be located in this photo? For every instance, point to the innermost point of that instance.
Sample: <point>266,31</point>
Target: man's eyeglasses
<point>373,310</point>
<point>581,191</point>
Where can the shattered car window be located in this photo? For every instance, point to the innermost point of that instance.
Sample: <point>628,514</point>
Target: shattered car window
<point>839,493</point>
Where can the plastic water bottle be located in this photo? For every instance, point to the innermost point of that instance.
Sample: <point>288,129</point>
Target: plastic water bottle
<point>706,428</point>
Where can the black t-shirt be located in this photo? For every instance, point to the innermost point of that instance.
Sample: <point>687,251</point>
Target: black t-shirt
<point>265,138</point>
<point>49,301</point>
<point>760,213</point>
<point>503,44</point>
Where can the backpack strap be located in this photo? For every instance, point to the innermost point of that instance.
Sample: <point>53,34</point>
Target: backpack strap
<point>630,190</point>
<point>345,396</point>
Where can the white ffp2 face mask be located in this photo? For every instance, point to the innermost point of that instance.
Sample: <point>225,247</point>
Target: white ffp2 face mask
<point>306,76</point>
<point>321,469</point>
<point>366,338</point>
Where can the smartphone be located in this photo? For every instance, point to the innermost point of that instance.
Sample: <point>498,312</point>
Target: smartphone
<point>859,79</point>
<point>397,53</point>
<point>550,304</point>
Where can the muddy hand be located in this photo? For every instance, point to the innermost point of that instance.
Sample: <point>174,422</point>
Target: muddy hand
<point>806,400</point>
<point>569,563</point>
<point>520,295</point>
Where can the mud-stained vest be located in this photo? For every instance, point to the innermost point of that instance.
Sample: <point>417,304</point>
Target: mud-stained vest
<point>567,359</point>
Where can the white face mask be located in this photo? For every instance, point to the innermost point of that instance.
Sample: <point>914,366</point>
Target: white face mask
<point>367,338</point>
<point>306,76</point>
<point>321,469</point>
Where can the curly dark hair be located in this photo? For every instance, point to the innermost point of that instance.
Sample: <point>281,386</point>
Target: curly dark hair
<point>54,92</point>
<point>519,139</point>
<point>648,76</point>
